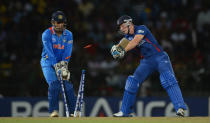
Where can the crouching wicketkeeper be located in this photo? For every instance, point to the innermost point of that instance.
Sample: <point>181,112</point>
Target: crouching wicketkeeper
<point>57,48</point>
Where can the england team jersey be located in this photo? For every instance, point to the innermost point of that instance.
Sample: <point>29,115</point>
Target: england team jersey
<point>148,46</point>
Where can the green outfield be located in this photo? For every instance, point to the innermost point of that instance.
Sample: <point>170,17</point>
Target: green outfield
<point>107,120</point>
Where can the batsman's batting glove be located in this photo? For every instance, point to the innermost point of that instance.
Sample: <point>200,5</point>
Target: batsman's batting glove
<point>117,52</point>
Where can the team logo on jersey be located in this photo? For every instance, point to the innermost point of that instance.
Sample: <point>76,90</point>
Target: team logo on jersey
<point>140,31</point>
<point>53,40</point>
<point>60,17</point>
<point>70,41</point>
<point>58,46</point>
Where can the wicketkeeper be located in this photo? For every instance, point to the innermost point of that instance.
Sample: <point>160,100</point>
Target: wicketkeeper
<point>57,48</point>
<point>155,59</point>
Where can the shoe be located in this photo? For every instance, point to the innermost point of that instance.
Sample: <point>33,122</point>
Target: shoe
<point>180,112</point>
<point>54,114</point>
<point>120,114</point>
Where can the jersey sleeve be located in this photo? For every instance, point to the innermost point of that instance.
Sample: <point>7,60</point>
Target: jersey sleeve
<point>68,48</point>
<point>141,30</point>
<point>46,41</point>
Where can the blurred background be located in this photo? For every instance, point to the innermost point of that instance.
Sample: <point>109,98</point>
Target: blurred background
<point>182,27</point>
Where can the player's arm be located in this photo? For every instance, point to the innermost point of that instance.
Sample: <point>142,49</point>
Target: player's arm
<point>68,49</point>
<point>66,57</point>
<point>140,33</point>
<point>133,43</point>
<point>118,51</point>
<point>123,43</point>
<point>48,47</point>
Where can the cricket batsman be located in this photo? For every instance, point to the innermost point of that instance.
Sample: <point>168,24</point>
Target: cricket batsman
<point>57,48</point>
<point>154,59</point>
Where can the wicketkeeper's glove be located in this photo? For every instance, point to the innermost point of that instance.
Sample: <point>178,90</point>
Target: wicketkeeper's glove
<point>62,67</point>
<point>117,52</point>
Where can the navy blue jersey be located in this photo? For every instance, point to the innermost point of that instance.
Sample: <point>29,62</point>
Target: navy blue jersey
<point>56,49</point>
<point>148,46</point>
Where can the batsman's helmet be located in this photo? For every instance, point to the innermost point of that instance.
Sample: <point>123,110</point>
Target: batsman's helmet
<point>123,19</point>
<point>59,17</point>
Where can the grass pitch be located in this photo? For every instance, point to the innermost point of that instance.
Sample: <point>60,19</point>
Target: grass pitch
<point>106,120</point>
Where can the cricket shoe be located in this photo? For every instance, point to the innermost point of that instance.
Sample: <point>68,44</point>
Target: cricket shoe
<point>54,114</point>
<point>120,114</point>
<point>180,112</point>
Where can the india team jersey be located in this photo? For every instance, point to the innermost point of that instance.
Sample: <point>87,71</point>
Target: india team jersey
<point>148,46</point>
<point>57,48</point>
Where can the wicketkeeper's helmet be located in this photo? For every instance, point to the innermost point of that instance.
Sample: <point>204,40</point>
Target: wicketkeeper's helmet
<point>59,17</point>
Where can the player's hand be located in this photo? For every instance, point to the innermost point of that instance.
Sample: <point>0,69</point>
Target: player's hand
<point>57,67</point>
<point>65,74</point>
<point>117,52</point>
<point>64,64</point>
<point>62,68</point>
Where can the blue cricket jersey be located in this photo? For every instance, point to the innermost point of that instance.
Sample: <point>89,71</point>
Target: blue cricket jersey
<point>148,46</point>
<point>56,48</point>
